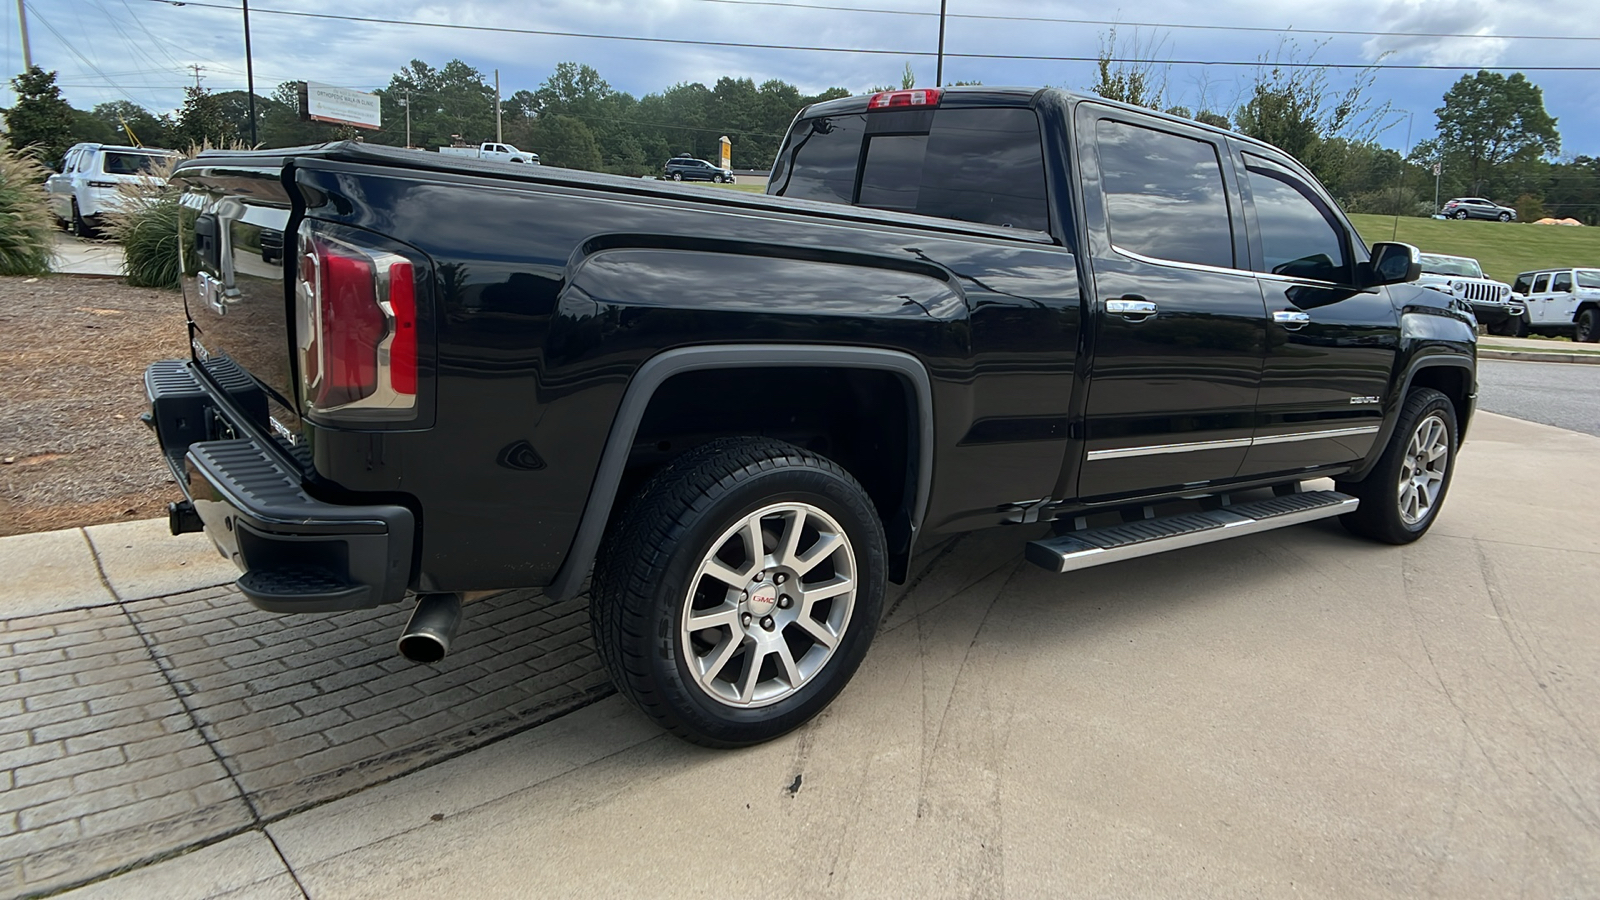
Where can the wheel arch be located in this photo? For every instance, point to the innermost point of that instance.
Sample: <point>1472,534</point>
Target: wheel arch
<point>1451,374</point>
<point>658,370</point>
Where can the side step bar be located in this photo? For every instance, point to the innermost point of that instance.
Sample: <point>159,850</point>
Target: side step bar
<point>1098,546</point>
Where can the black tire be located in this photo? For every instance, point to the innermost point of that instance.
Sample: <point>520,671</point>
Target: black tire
<point>1380,515</point>
<point>677,176</point>
<point>80,228</point>
<point>1459,214</point>
<point>1511,326</point>
<point>1588,331</point>
<point>1505,217</point>
<point>648,579</point>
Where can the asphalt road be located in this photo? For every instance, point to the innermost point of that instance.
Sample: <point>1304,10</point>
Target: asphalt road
<point>1560,394</point>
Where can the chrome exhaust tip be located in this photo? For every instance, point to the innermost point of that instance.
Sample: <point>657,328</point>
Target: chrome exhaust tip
<point>433,626</point>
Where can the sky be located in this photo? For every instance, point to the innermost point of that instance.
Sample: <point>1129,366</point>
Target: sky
<point>141,50</point>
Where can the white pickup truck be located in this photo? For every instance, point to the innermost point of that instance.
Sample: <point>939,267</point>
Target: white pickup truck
<point>494,151</point>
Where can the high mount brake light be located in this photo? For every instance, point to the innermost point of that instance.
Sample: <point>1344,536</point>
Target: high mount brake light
<point>356,328</point>
<point>905,99</point>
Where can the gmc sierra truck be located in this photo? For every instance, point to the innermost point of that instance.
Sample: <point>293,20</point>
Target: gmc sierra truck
<point>422,379</point>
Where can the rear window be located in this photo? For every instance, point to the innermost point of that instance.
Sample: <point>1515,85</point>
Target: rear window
<point>972,165</point>
<point>114,163</point>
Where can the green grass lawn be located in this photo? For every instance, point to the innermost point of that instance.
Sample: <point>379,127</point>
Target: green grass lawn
<point>1502,248</point>
<point>751,188</point>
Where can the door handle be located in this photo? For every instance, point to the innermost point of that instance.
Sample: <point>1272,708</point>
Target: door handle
<point>1136,309</point>
<point>1291,319</point>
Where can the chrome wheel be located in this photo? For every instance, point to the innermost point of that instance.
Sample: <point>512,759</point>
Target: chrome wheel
<point>768,605</point>
<point>1423,469</point>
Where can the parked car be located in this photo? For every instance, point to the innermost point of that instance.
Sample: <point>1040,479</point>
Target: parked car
<point>1477,208</point>
<point>687,168</point>
<point>744,413</point>
<point>1562,302</point>
<point>494,151</point>
<point>1492,302</point>
<point>89,183</point>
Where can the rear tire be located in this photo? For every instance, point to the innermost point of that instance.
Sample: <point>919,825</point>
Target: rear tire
<point>677,176</point>
<point>1401,496</point>
<point>1459,214</point>
<point>1588,326</point>
<point>721,642</point>
<point>80,228</point>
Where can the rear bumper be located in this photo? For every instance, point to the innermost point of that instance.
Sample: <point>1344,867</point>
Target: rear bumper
<point>296,553</point>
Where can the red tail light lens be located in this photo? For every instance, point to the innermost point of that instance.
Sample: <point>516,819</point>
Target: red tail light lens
<point>356,328</point>
<point>905,99</point>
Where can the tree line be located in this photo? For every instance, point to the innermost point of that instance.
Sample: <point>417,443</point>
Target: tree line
<point>1494,137</point>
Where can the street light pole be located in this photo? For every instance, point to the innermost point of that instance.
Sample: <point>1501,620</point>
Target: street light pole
<point>22,20</point>
<point>938,73</point>
<point>249,74</point>
<point>407,104</point>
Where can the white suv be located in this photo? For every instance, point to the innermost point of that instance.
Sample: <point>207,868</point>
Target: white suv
<point>1493,304</point>
<point>1562,301</point>
<point>86,188</point>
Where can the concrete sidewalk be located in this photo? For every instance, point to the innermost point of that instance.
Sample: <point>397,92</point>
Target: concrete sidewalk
<point>1537,350</point>
<point>77,256</point>
<point>1294,713</point>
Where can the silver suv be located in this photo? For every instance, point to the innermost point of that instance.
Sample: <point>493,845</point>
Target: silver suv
<point>1477,208</point>
<point>87,187</point>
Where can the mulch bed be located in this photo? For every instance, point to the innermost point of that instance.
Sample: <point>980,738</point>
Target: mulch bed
<point>73,351</point>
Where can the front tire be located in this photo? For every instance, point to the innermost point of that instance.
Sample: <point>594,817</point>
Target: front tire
<point>1401,496</point>
<point>739,591</point>
<point>1588,326</point>
<point>677,176</point>
<point>1505,217</point>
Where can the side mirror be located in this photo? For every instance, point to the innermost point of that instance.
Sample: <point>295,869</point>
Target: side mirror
<point>1392,263</point>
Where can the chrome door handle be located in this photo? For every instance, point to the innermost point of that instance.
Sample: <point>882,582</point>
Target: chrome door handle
<point>1144,309</point>
<point>1292,319</point>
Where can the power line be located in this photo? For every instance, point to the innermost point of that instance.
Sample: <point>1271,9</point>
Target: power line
<point>74,51</point>
<point>864,51</point>
<point>1114,23</point>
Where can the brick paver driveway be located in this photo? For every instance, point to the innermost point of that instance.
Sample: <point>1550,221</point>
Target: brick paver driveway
<point>134,730</point>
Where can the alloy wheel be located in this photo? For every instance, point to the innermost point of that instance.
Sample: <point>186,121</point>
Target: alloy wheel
<point>768,606</point>
<point>1423,470</point>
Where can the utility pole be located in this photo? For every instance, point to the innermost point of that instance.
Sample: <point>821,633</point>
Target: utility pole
<point>249,74</point>
<point>938,73</point>
<point>22,20</point>
<point>499,137</point>
<point>407,104</point>
<point>197,70</point>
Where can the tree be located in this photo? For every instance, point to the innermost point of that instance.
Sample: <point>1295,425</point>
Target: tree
<point>235,108</point>
<point>447,104</point>
<point>133,124</point>
<point>40,120</point>
<point>202,121</point>
<point>1293,107</point>
<point>1490,120</point>
<point>567,142</point>
<point>1138,83</point>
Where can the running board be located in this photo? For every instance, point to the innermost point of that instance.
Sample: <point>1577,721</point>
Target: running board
<point>1098,546</point>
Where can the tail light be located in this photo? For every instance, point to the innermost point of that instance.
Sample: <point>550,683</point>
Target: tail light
<point>356,328</point>
<point>905,99</point>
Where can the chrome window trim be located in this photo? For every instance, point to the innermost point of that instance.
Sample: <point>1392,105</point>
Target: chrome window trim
<point>1230,443</point>
<point>1198,267</point>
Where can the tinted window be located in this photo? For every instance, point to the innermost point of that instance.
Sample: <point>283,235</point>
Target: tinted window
<point>1299,235</point>
<point>1164,195</point>
<point>822,160</point>
<point>1523,283</point>
<point>1541,284</point>
<point>1561,283</point>
<point>130,163</point>
<point>973,165</point>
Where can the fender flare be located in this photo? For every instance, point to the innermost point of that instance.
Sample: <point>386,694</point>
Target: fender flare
<point>658,369</point>
<point>1416,365</point>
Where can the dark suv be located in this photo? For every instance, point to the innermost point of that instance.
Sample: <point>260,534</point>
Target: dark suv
<point>687,168</point>
<point>1477,208</point>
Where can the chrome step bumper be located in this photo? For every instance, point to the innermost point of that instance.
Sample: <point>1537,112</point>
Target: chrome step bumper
<point>1099,546</point>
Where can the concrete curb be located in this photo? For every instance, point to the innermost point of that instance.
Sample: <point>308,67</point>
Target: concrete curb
<point>1579,357</point>
<point>102,565</point>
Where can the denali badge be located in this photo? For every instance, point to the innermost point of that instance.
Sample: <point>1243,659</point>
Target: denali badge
<point>282,430</point>
<point>1355,401</point>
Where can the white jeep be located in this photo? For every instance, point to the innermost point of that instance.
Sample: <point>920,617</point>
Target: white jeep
<point>1493,303</point>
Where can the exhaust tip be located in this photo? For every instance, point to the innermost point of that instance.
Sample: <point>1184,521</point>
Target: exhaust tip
<point>433,626</point>
<point>422,648</point>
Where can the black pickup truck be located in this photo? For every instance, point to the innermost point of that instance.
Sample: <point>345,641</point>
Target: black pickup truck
<point>416,377</point>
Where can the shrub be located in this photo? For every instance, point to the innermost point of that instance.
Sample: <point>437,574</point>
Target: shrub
<point>26,227</point>
<point>146,225</point>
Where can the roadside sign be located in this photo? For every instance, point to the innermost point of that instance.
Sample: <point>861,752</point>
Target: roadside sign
<point>342,106</point>
<point>1437,169</point>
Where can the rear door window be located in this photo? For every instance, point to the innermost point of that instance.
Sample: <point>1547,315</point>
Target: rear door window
<point>1561,283</point>
<point>1165,197</point>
